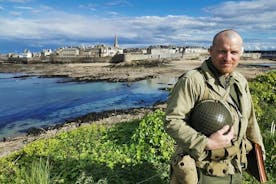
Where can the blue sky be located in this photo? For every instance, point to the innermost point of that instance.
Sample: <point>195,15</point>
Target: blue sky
<point>38,24</point>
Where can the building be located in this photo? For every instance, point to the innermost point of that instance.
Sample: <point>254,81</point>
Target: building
<point>158,52</point>
<point>27,54</point>
<point>96,51</point>
<point>116,45</point>
<point>68,51</point>
<point>195,50</point>
<point>46,52</point>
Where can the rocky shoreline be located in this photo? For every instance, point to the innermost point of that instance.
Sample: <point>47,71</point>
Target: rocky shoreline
<point>12,144</point>
<point>87,72</point>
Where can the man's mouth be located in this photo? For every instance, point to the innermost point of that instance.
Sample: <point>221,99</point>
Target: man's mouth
<point>226,64</point>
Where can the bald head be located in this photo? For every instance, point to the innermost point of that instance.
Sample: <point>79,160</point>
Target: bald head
<point>228,34</point>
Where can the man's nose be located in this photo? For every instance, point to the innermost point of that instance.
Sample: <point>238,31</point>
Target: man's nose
<point>227,56</point>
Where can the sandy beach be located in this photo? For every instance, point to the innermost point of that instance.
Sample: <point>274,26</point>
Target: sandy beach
<point>113,73</point>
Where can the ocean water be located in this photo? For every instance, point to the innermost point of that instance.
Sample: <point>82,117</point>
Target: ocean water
<point>37,102</point>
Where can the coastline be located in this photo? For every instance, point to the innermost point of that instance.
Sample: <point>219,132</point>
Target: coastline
<point>16,143</point>
<point>124,72</point>
<point>87,72</point>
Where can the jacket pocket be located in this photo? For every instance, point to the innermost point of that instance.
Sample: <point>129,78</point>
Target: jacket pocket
<point>217,168</point>
<point>183,170</point>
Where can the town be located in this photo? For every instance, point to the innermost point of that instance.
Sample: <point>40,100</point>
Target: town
<point>115,54</point>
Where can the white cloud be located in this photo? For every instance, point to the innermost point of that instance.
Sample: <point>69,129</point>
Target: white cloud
<point>15,13</point>
<point>16,1</point>
<point>118,3</point>
<point>241,8</point>
<point>49,25</point>
<point>23,7</point>
<point>113,13</point>
<point>90,6</point>
<point>245,12</point>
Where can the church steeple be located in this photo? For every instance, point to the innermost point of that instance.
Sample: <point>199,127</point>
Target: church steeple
<point>116,45</point>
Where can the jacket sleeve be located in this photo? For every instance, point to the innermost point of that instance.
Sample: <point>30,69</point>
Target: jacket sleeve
<point>185,94</point>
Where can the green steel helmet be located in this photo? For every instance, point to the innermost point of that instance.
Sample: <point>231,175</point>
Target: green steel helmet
<point>208,116</point>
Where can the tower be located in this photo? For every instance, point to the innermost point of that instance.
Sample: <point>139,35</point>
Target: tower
<point>116,45</point>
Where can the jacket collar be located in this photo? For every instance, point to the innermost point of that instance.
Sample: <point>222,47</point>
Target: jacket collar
<point>213,80</point>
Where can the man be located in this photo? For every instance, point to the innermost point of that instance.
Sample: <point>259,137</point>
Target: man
<point>221,157</point>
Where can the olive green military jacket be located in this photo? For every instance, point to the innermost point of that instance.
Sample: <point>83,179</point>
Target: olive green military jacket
<point>187,92</point>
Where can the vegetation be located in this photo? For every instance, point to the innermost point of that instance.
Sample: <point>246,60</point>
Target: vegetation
<point>263,89</point>
<point>128,152</point>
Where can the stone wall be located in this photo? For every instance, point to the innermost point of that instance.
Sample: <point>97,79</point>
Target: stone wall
<point>137,57</point>
<point>251,55</point>
<point>79,59</point>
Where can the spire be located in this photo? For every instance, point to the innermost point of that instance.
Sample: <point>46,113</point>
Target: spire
<point>116,45</point>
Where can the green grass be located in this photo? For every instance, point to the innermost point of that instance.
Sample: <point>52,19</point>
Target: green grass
<point>38,172</point>
<point>122,153</point>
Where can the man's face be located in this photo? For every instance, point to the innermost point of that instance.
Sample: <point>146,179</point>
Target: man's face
<point>225,54</point>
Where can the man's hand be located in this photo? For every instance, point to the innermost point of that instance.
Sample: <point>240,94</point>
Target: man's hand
<point>220,139</point>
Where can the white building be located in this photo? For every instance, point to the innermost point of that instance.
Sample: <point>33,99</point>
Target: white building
<point>109,51</point>
<point>46,52</point>
<point>27,54</point>
<point>193,50</point>
<point>164,51</point>
<point>68,51</point>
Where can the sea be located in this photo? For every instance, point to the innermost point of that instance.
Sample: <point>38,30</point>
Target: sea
<point>28,102</point>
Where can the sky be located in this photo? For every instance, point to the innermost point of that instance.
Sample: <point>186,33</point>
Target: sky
<point>50,24</point>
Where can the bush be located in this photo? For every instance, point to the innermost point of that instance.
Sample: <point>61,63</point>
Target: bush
<point>127,152</point>
<point>263,89</point>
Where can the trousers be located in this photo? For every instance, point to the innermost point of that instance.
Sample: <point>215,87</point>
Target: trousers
<point>230,179</point>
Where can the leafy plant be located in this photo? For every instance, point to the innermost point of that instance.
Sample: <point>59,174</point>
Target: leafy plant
<point>263,90</point>
<point>118,153</point>
<point>150,138</point>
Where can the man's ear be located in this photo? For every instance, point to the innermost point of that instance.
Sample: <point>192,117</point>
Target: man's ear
<point>242,50</point>
<point>210,49</point>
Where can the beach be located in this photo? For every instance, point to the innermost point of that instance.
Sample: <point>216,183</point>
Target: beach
<point>128,71</point>
<point>89,72</point>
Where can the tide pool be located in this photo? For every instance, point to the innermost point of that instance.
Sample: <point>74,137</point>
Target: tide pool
<point>37,102</point>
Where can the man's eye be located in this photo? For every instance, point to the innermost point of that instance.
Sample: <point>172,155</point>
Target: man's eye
<point>234,52</point>
<point>222,52</point>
